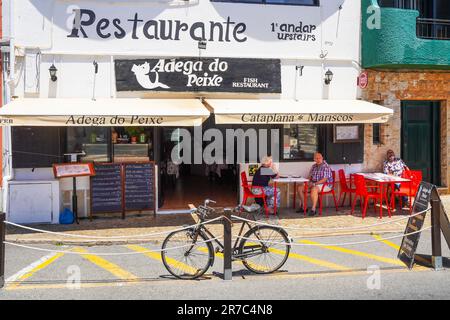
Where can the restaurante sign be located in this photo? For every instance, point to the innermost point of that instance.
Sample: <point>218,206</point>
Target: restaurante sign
<point>199,74</point>
<point>87,22</point>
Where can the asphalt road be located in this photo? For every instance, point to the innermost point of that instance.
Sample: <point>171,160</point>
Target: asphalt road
<point>364,271</point>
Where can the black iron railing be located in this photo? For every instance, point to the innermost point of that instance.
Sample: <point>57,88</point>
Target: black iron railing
<point>402,4</point>
<point>428,27</point>
<point>433,29</point>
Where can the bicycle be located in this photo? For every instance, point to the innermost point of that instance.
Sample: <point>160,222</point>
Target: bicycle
<point>188,254</point>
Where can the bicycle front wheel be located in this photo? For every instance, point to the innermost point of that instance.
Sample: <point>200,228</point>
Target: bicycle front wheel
<point>185,256</point>
<point>265,249</point>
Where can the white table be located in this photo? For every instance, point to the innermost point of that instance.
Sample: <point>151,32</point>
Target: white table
<point>288,180</point>
<point>384,180</point>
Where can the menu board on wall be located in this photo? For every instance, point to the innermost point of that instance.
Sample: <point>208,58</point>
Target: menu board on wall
<point>139,186</point>
<point>122,187</point>
<point>106,188</point>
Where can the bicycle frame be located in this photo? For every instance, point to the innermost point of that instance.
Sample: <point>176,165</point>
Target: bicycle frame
<point>235,255</point>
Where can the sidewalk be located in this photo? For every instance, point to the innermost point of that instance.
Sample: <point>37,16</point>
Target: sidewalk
<point>331,223</point>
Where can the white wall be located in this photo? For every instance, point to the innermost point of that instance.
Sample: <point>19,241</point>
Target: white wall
<point>46,24</point>
<point>76,79</point>
<point>42,27</point>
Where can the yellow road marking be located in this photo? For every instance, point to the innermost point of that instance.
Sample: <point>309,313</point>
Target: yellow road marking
<point>220,255</point>
<point>157,256</point>
<point>319,262</point>
<point>389,243</point>
<point>37,268</point>
<point>396,247</point>
<point>336,274</point>
<point>266,277</point>
<point>64,286</point>
<point>217,254</point>
<point>106,265</point>
<point>356,253</point>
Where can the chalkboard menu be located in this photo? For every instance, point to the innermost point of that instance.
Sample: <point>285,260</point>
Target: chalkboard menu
<point>411,241</point>
<point>139,186</point>
<point>121,187</point>
<point>106,188</point>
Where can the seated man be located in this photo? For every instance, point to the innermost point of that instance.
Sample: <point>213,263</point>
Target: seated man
<point>262,178</point>
<point>395,166</point>
<point>319,175</point>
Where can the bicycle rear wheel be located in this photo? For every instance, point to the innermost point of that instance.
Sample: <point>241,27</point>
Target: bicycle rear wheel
<point>265,248</point>
<point>185,258</point>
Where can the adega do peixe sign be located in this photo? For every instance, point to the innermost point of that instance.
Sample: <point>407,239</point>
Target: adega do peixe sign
<point>199,75</point>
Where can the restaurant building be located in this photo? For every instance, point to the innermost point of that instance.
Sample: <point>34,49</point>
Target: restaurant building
<point>128,81</point>
<point>406,56</point>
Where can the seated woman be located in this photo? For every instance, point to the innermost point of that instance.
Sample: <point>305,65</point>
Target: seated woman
<point>262,177</point>
<point>395,166</point>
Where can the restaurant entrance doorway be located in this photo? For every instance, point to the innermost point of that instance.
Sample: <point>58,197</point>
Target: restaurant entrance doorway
<point>421,138</point>
<point>182,184</point>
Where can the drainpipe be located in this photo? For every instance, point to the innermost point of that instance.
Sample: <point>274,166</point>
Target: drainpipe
<point>9,92</point>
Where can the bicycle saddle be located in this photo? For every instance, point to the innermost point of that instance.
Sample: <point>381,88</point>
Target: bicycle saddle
<point>253,208</point>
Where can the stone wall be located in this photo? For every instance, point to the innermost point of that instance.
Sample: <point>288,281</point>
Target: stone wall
<point>389,88</point>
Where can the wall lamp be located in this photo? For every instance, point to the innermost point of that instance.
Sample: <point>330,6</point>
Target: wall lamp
<point>202,45</point>
<point>328,77</point>
<point>53,71</point>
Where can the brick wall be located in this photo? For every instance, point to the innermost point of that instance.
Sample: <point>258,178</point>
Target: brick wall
<point>390,88</point>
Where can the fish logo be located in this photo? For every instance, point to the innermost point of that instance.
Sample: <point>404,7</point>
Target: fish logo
<point>143,78</point>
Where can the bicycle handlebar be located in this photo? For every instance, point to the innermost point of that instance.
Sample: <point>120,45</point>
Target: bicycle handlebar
<point>208,201</point>
<point>203,210</point>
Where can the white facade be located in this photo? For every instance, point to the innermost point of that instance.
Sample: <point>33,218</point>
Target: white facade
<point>45,25</point>
<point>308,40</point>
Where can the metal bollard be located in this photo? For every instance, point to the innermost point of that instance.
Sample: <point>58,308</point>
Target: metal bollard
<point>436,248</point>
<point>2,249</point>
<point>227,261</point>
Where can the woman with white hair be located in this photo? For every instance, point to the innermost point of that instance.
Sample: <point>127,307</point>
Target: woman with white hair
<point>262,177</point>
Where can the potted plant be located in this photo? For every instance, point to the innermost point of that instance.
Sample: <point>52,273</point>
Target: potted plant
<point>134,132</point>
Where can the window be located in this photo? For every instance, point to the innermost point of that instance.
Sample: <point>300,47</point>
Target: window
<point>36,147</point>
<point>376,135</point>
<point>287,2</point>
<point>94,141</point>
<point>376,127</point>
<point>300,142</point>
<point>432,9</point>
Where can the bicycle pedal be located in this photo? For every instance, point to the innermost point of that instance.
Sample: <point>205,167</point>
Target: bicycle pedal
<point>217,250</point>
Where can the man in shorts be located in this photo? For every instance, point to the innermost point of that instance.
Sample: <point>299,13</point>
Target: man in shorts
<point>319,175</point>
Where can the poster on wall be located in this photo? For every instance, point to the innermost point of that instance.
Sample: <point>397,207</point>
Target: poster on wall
<point>346,133</point>
<point>199,75</point>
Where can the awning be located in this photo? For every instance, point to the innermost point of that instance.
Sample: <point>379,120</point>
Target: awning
<point>103,112</point>
<point>276,111</point>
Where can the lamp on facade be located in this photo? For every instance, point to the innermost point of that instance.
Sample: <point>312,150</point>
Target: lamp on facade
<point>53,71</point>
<point>202,45</point>
<point>328,77</point>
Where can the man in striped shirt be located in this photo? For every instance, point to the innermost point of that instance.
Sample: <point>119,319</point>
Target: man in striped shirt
<point>321,179</point>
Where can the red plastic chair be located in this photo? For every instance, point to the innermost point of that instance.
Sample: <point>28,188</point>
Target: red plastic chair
<point>344,188</point>
<point>249,194</point>
<point>322,193</point>
<point>408,189</point>
<point>365,195</point>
